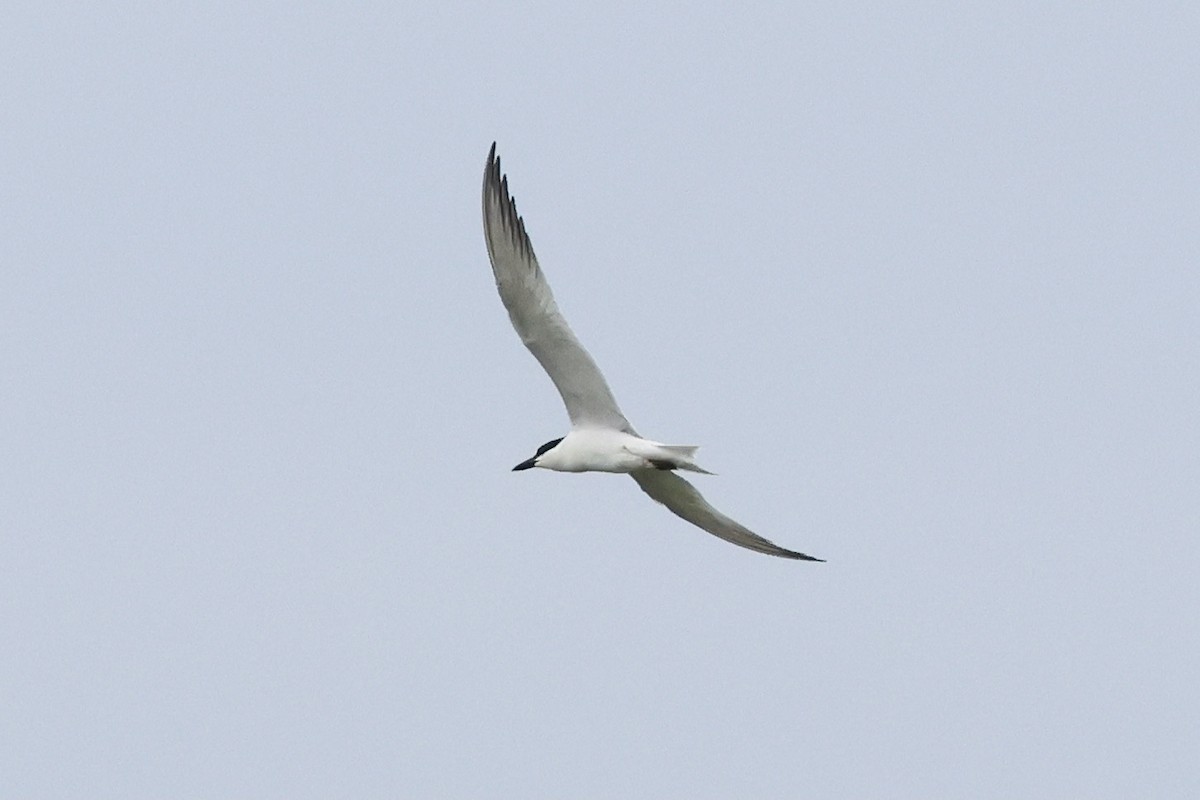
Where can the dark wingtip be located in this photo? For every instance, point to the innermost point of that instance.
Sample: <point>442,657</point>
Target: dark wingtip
<point>491,170</point>
<point>496,182</point>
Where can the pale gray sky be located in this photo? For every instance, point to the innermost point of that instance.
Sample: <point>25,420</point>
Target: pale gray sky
<point>922,279</point>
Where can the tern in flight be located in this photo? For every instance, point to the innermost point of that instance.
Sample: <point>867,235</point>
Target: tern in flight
<point>600,439</point>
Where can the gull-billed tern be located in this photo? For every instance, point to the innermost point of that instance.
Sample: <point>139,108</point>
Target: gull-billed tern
<point>600,439</point>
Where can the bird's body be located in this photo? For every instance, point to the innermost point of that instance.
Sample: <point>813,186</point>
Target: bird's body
<point>593,449</point>
<point>600,439</point>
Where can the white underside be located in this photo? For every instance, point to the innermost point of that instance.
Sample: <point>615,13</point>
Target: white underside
<point>607,450</point>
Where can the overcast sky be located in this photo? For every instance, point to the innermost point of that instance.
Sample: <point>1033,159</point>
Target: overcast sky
<point>923,280</point>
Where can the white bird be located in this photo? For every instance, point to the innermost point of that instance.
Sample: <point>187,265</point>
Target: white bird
<point>600,439</point>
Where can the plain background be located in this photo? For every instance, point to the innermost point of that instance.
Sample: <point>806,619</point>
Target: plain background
<point>922,279</point>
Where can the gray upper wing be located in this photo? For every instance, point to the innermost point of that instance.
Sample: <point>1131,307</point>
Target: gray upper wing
<point>682,498</point>
<point>531,307</point>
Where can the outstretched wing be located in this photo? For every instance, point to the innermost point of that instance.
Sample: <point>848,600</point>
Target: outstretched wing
<point>535,315</point>
<point>685,501</point>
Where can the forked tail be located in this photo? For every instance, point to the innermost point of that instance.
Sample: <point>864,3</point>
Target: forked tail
<point>683,456</point>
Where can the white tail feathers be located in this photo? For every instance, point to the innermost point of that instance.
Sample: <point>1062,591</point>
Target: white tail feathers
<point>683,455</point>
<point>684,450</point>
<point>665,456</point>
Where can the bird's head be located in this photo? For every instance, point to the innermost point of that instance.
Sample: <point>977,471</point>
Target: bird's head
<point>541,451</point>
